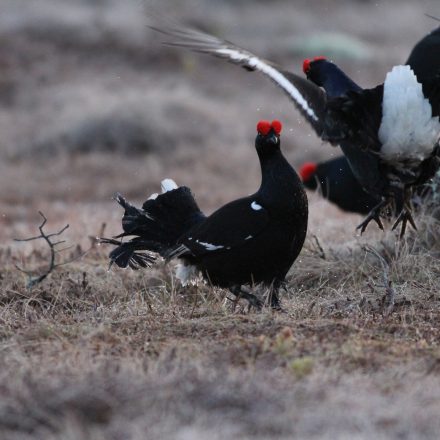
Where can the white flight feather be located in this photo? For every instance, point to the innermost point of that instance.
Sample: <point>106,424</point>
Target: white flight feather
<point>407,131</point>
<point>274,74</point>
<point>168,185</point>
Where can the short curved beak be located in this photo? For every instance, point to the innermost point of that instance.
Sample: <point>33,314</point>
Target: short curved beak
<point>273,139</point>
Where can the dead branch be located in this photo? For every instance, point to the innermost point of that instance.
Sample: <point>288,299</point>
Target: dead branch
<point>34,280</point>
<point>390,293</point>
<point>316,248</point>
<point>320,248</point>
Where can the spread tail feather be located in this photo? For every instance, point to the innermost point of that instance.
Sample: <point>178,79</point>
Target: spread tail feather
<point>127,254</point>
<point>156,226</point>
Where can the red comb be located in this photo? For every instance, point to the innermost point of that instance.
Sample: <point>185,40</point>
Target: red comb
<point>306,65</point>
<point>277,127</point>
<point>307,171</point>
<point>307,62</point>
<point>263,127</point>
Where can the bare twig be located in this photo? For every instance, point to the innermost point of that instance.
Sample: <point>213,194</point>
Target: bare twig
<point>316,248</point>
<point>390,293</point>
<point>95,239</point>
<point>320,248</point>
<point>34,280</point>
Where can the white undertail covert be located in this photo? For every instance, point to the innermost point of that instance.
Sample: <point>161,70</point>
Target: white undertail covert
<point>407,131</point>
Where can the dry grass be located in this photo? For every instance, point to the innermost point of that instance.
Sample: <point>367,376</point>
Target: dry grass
<point>97,354</point>
<point>90,104</point>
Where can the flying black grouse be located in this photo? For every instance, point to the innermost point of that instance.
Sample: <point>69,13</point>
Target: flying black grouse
<point>255,239</point>
<point>389,134</point>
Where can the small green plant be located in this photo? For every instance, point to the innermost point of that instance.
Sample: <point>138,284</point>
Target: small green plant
<point>301,367</point>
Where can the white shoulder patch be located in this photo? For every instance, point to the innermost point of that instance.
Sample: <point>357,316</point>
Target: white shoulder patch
<point>255,206</point>
<point>407,130</point>
<point>209,246</point>
<point>168,185</point>
<point>153,196</point>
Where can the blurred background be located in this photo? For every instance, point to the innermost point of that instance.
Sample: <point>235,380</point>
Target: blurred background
<point>91,103</point>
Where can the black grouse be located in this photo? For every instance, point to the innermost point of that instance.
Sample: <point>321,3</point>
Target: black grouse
<point>424,59</point>
<point>389,133</point>
<point>254,239</point>
<point>334,178</point>
<point>336,182</point>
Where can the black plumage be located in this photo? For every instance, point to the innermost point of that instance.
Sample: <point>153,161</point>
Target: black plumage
<point>336,182</point>
<point>388,159</point>
<point>334,177</point>
<point>424,59</point>
<point>254,239</point>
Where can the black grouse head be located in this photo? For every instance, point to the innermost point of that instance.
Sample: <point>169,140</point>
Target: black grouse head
<point>317,69</point>
<point>308,173</point>
<point>267,141</point>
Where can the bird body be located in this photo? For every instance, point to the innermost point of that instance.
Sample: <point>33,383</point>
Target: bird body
<point>424,58</point>
<point>389,133</point>
<point>336,182</point>
<point>336,178</point>
<point>254,239</point>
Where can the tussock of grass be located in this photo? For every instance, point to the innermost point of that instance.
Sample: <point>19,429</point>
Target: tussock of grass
<point>93,353</point>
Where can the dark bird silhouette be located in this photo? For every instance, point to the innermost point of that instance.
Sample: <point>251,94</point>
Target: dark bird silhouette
<point>334,178</point>
<point>336,183</point>
<point>389,134</point>
<point>424,59</point>
<point>254,239</point>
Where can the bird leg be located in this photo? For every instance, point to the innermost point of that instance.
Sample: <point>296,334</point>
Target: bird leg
<point>374,214</point>
<point>252,299</point>
<point>405,214</point>
<point>272,297</point>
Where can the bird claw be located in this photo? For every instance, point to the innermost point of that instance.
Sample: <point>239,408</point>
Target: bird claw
<point>274,301</point>
<point>373,215</point>
<point>252,299</point>
<point>404,217</point>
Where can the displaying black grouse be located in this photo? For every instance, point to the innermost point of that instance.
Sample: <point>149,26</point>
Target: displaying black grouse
<point>389,134</point>
<point>336,182</point>
<point>254,239</point>
<point>335,178</point>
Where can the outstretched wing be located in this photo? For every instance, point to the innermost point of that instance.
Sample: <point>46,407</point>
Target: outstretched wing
<point>230,226</point>
<point>309,99</point>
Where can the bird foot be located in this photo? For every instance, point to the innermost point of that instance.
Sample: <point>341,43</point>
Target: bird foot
<point>252,299</point>
<point>274,302</point>
<point>404,217</point>
<point>374,214</point>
